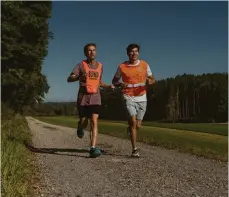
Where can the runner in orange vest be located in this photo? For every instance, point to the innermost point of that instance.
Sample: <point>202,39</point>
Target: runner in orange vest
<point>89,73</point>
<point>135,74</point>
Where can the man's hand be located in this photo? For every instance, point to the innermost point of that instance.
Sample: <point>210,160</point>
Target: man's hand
<point>150,80</point>
<point>112,87</point>
<point>103,85</point>
<point>72,78</point>
<point>120,85</point>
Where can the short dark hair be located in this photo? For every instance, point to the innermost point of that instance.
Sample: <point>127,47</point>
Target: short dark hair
<point>88,45</point>
<point>132,46</point>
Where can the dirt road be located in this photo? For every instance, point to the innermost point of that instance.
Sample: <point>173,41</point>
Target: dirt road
<point>67,171</point>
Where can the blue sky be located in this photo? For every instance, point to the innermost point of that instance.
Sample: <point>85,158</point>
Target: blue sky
<point>175,38</point>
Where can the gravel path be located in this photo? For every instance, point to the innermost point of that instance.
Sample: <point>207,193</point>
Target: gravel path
<point>67,171</point>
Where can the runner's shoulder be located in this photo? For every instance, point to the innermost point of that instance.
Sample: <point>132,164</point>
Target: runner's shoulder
<point>123,63</point>
<point>143,61</point>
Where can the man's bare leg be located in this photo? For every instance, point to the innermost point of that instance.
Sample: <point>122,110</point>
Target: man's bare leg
<point>94,152</point>
<point>133,132</point>
<point>91,129</point>
<point>133,135</point>
<point>94,129</point>
<point>139,124</point>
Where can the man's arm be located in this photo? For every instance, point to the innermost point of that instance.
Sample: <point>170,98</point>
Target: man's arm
<point>116,77</point>
<point>150,78</point>
<point>74,76</point>
<point>115,80</point>
<point>103,85</point>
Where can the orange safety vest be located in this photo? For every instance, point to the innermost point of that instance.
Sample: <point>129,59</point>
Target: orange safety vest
<point>134,77</point>
<point>92,77</point>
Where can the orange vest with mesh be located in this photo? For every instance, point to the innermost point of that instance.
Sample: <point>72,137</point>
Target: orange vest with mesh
<point>134,77</point>
<point>92,77</point>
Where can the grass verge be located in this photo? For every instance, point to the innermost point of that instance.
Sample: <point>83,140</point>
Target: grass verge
<point>16,165</point>
<point>198,143</point>
<point>219,129</point>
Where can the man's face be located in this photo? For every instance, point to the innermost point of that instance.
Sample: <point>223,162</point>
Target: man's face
<point>133,54</point>
<point>91,52</point>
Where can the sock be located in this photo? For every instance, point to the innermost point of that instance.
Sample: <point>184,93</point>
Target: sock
<point>135,148</point>
<point>92,146</point>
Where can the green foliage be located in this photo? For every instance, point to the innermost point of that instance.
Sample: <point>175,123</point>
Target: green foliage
<point>189,98</point>
<point>185,98</point>
<point>52,109</point>
<point>16,164</point>
<point>25,35</point>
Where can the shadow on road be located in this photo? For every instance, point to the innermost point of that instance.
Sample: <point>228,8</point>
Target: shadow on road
<point>65,151</point>
<point>56,151</point>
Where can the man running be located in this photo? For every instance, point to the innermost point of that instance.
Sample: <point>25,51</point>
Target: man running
<point>135,74</point>
<point>89,73</point>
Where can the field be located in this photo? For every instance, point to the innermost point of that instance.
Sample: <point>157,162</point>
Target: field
<point>207,140</point>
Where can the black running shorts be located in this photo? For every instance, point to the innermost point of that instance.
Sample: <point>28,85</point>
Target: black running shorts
<point>88,110</point>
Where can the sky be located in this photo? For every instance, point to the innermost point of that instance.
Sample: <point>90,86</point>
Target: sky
<point>175,38</point>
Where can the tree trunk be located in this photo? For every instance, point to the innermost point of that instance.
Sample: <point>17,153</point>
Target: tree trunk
<point>194,103</point>
<point>183,114</point>
<point>187,109</point>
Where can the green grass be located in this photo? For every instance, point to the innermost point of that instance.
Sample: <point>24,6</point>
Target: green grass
<point>16,165</point>
<point>199,143</point>
<point>219,129</point>
<point>215,128</point>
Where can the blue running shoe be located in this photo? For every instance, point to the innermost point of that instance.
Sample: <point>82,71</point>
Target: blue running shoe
<point>80,133</point>
<point>94,152</point>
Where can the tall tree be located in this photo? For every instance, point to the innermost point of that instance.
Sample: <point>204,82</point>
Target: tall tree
<point>25,36</point>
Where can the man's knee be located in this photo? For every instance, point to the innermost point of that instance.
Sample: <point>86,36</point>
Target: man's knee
<point>94,118</point>
<point>133,121</point>
<point>139,124</point>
